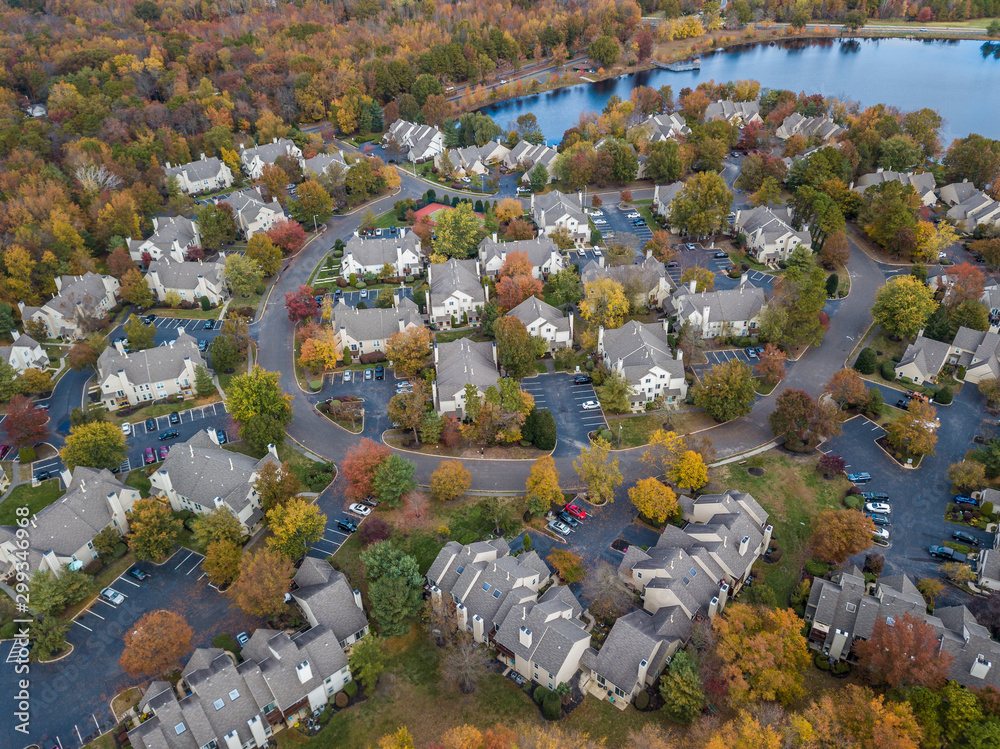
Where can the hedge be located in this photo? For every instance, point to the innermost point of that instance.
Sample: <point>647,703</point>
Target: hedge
<point>642,700</point>
<point>888,371</point>
<point>944,395</point>
<point>372,358</point>
<point>866,361</point>
<point>853,501</point>
<point>552,706</point>
<point>540,694</point>
<point>817,568</point>
<point>351,689</point>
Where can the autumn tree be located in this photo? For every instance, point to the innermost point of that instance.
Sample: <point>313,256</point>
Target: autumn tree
<point>301,304</point>
<point>609,598</point>
<point>567,565</point>
<point>663,450</point>
<point>263,251</point>
<point>508,209</point>
<point>218,525</point>
<point>599,472</point>
<point>222,562</point>
<point>517,349</point>
<point>153,529</point>
<point>25,424</point>
<point>653,499</point>
<point>313,204</point>
<point>450,480</point>
<point>846,388</point>
<point>135,290</point>
<point>321,351</point>
<point>770,366</point>
<point>264,578</point>
<point>903,653</point>
<point>542,490</point>
<point>701,206</point>
<point>966,476</point>
<point>496,416</point>
<point>903,305</point>
<point>855,718</point>
<point>242,274</point>
<point>681,689</point>
<point>967,284</point>
<point>835,251</point>
<point>393,479</point>
<point>263,411</point>
<point>915,433</point>
<point>604,303</point>
<point>688,471</point>
<point>512,290</point>
<point>831,465</point>
<point>799,420</point>
<point>295,525</point>
<point>727,391</point>
<point>780,654</point>
<point>140,336</point>
<point>408,410</point>
<point>95,445</point>
<point>839,534</point>
<point>458,233</point>
<point>288,236</point>
<point>408,349</point>
<point>360,465</point>
<point>155,644</point>
<point>704,278</point>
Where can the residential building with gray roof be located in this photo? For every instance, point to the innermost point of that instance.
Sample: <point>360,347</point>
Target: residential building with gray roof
<point>78,307</point>
<point>319,164</point>
<point>555,211</point>
<point>541,252</point>
<point>401,253</point>
<point>172,237</point>
<point>204,175</point>
<point>152,374</point>
<point>252,213</point>
<point>25,353</point>
<point>256,158</point>
<point>923,183</point>
<point>733,112</point>
<point>190,280</point>
<point>545,321</point>
<point>820,129</point>
<point>460,363</point>
<point>723,313</point>
<point>367,331</point>
<point>456,296</point>
<point>769,234</point>
<point>325,596</point>
<point>641,354</point>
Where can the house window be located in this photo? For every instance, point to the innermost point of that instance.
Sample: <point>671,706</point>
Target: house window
<point>219,704</point>
<point>852,607</point>
<point>496,593</point>
<point>639,575</point>
<point>486,587</point>
<point>234,695</point>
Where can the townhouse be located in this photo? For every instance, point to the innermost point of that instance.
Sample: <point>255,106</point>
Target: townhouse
<point>545,321</point>
<point>367,331</point>
<point>723,313</point>
<point>663,127</point>
<point>663,197</point>
<point>844,609</point>
<point>541,251</point>
<point>689,574</point>
<point>820,129</point>
<point>172,237</point>
<point>460,363</point>
<point>62,534</point>
<point>526,156</point>
<point>647,278</point>
<point>456,296</point>
<point>78,306</point>
<point>419,142</point>
<point>556,211</point>
<point>204,175</point>
<point>641,354</point>
<point>188,279</point>
<point>471,159</point>
<point>923,183</point>
<point>402,253</point>
<point>252,214</point>
<point>494,596</point>
<point>978,351</point>
<point>199,475</point>
<point>739,113</point>
<point>24,353</point>
<point>151,374</point>
<point>253,160</point>
<point>769,234</point>
<point>325,597</point>
<point>969,208</point>
<point>322,163</point>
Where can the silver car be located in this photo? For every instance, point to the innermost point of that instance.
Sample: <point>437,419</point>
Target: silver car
<point>561,528</point>
<point>112,596</point>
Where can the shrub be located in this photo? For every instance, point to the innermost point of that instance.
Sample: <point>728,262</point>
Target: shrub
<point>986,508</point>
<point>351,689</point>
<point>338,253</point>
<point>120,551</point>
<point>341,700</point>
<point>540,694</point>
<point>822,662</point>
<point>552,706</point>
<point>205,304</point>
<point>342,282</point>
<point>642,700</point>
<point>888,371</point>
<point>866,361</point>
<point>853,501</point>
<point>468,537</point>
<point>259,289</point>
<point>944,395</point>
<point>372,531</point>
<point>817,568</point>
<point>840,667</point>
<point>527,541</point>
<point>960,374</point>
<point>8,630</point>
<point>606,434</point>
<point>832,283</point>
<point>226,642</point>
<point>94,567</point>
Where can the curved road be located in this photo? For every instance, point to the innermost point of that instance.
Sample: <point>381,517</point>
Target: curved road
<point>850,319</point>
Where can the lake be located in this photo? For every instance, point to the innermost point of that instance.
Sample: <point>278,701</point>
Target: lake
<point>960,79</point>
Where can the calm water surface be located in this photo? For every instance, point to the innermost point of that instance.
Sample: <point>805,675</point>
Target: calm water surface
<point>959,79</point>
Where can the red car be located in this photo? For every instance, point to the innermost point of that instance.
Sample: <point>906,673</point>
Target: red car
<point>576,512</point>
<point>163,452</point>
<point>4,449</point>
<point>150,456</point>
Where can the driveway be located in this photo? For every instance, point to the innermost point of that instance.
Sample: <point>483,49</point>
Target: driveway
<point>377,394</point>
<point>557,393</point>
<point>351,298</point>
<point>619,225</point>
<point>70,699</point>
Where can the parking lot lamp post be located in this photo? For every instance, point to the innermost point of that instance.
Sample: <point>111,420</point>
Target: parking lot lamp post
<point>315,229</point>
<point>619,435</point>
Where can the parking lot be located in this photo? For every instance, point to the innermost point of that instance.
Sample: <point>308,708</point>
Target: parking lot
<point>557,393</point>
<point>714,357</point>
<point>168,328</point>
<point>193,420</point>
<point>618,225</point>
<point>351,298</point>
<point>376,394</point>
<point>71,697</point>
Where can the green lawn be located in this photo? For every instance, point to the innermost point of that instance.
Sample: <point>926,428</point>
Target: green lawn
<point>299,463</point>
<point>138,479</point>
<point>793,493</point>
<point>447,336</point>
<point>34,498</point>
<point>388,220</point>
<point>635,430</point>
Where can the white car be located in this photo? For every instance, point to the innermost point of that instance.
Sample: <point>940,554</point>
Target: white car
<point>883,508</point>
<point>561,528</point>
<point>360,509</point>
<point>364,294</point>
<point>597,252</point>
<point>467,180</point>
<point>347,375</point>
<point>590,405</point>
<point>633,215</point>
<point>600,222</point>
<point>112,596</point>
<point>126,428</point>
<point>881,534</point>
<point>597,212</point>
<point>942,255</point>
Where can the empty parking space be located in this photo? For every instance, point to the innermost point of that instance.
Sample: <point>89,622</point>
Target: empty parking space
<point>560,395</point>
<point>190,326</point>
<point>333,538</point>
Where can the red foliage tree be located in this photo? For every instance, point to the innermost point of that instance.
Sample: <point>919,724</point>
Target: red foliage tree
<point>157,642</point>
<point>750,137</point>
<point>831,465</point>
<point>968,283</point>
<point>450,433</point>
<point>359,467</point>
<point>289,236</point>
<point>25,425</point>
<point>194,253</point>
<point>644,41</point>
<point>120,263</point>
<point>301,304</point>
<point>905,653</point>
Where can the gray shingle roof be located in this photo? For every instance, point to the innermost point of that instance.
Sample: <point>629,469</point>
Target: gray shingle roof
<point>554,630</point>
<point>923,183</point>
<point>382,250</point>
<point>464,362</point>
<point>87,291</point>
<point>321,162</point>
<point>374,323</point>
<point>742,303</point>
<point>554,205</point>
<point>184,275</point>
<point>640,347</point>
<point>268,153</point>
<point>170,229</point>
<point>196,170</point>
<point>317,646</point>
<point>631,640</point>
<point>927,355</point>
<point>329,597</point>
<point>533,308</point>
<point>538,250</point>
<point>456,275</point>
<point>727,110</point>
<point>151,365</point>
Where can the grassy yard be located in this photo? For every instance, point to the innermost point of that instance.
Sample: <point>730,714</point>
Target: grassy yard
<point>885,347</point>
<point>107,741</point>
<point>447,336</point>
<point>34,498</point>
<point>138,479</point>
<point>793,493</point>
<point>635,430</point>
<point>387,220</point>
<point>300,465</point>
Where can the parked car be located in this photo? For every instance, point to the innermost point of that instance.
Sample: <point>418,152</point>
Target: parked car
<point>881,534</point>
<point>347,375</point>
<point>878,507</point>
<point>163,452</point>
<point>242,638</point>
<point>363,294</point>
<point>582,379</point>
<point>169,435</point>
<point>175,418</point>
<point>944,552</point>
<point>566,518</point>
<point>633,214</point>
<point>112,596</point>
<point>4,449</point>
<point>751,352</point>
<point>360,509</point>
<point>149,456</point>
<point>337,294</point>
<point>561,528</point>
<point>600,222</point>
<point>379,372</point>
<point>965,538</point>
<point>138,574</point>
<point>370,501</point>
<point>347,525</point>
<point>875,496</point>
<point>878,518</point>
<point>203,344</point>
<point>43,476</point>
<point>720,256</point>
<point>597,252</point>
<point>524,191</point>
<point>861,477</point>
<point>369,374</point>
<point>691,246</point>
<point>150,425</point>
<point>148,319</point>
<point>402,390</point>
<point>673,264</point>
<point>126,429</point>
<point>576,512</point>
<point>590,405</point>
<point>903,403</point>
<point>639,222</point>
<point>961,499</point>
<point>596,212</point>
<point>221,436</point>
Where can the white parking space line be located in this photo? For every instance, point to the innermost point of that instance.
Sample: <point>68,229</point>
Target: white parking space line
<point>195,566</point>
<point>184,560</point>
<point>123,579</point>
<point>82,625</point>
<point>109,605</point>
<point>90,611</point>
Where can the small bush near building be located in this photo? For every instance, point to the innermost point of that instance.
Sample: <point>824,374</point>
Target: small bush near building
<point>817,568</point>
<point>120,551</point>
<point>822,662</point>
<point>552,706</point>
<point>888,371</point>
<point>944,395</point>
<point>540,694</point>
<point>642,700</point>
<point>866,361</point>
<point>351,689</point>
<point>341,700</point>
<point>205,304</point>
<point>853,501</point>
<point>226,642</point>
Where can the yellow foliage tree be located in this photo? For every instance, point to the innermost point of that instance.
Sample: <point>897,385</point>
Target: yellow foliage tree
<point>542,489</point>
<point>662,452</point>
<point>689,471</point>
<point>508,209</point>
<point>604,303</point>
<point>295,526</point>
<point>653,499</point>
<point>600,474</point>
<point>400,739</point>
<point>746,732</point>
<point>322,352</point>
<point>450,481</point>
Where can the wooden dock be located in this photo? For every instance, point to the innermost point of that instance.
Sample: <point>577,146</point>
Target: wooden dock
<point>680,67</point>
